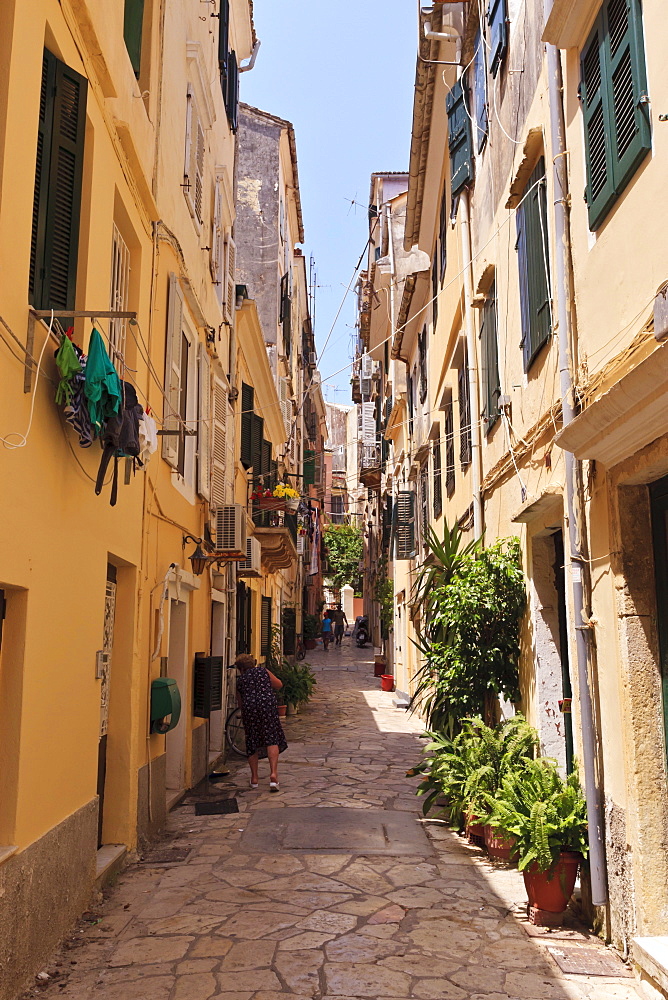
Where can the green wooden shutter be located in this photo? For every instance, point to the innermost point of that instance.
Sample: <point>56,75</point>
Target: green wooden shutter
<point>247,404</point>
<point>257,437</point>
<point>449,430</point>
<point>443,235</point>
<point>490,362</point>
<point>223,39</point>
<point>207,685</point>
<point>534,265</point>
<point>497,18</point>
<point>438,483</point>
<point>480,92</point>
<point>133,23</point>
<point>459,139</point>
<point>404,524</point>
<point>309,467</point>
<point>388,521</point>
<point>265,468</point>
<point>58,176</point>
<point>464,413</point>
<point>265,627</point>
<point>613,90</point>
<point>232,91</point>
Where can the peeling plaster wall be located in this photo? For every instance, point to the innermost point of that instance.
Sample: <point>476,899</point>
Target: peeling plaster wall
<point>546,648</point>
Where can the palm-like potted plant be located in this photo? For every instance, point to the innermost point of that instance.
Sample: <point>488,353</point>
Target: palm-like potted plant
<point>547,816</point>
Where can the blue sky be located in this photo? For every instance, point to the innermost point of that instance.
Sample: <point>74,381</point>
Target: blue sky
<point>343,74</point>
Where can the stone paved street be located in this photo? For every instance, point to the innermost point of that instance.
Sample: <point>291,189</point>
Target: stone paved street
<point>241,921</point>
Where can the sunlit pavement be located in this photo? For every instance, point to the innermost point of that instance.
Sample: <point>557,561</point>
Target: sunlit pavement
<point>302,904</point>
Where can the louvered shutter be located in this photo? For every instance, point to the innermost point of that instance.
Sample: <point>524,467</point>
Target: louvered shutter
<point>170,418</point>
<point>230,280</point>
<point>133,22</point>
<point>480,92</point>
<point>387,523</point>
<point>257,433</point>
<point>199,172</point>
<point>490,362</point>
<point>404,524</point>
<point>265,469</point>
<point>368,416</point>
<point>309,467</point>
<point>265,627</point>
<point>223,40</point>
<point>497,18</point>
<point>613,85</point>
<point>247,404</point>
<point>464,414</point>
<point>422,363</point>
<point>534,265</point>
<point>191,128</point>
<point>219,467</point>
<point>443,235</point>
<point>286,405</point>
<point>204,425</point>
<point>424,501</point>
<point>438,483</point>
<point>459,139</point>
<point>57,195</point>
<point>232,91</point>
<point>216,257</point>
<point>193,179</point>
<point>207,685</point>
<point>449,432</point>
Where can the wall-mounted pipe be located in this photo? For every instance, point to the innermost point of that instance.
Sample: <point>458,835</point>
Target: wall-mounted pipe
<point>251,62</point>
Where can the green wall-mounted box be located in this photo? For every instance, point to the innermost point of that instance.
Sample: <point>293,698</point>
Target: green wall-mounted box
<point>165,704</point>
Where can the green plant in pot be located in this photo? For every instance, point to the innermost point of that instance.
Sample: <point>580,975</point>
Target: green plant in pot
<point>547,816</point>
<point>312,628</point>
<point>298,683</point>
<point>447,767</point>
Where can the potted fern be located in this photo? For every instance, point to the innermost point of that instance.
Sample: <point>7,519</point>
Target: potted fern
<point>547,816</point>
<point>449,763</point>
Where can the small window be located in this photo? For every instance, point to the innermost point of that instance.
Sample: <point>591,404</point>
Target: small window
<point>613,92</point>
<point>534,265</point>
<point>490,360</point>
<point>464,413</point>
<point>480,92</point>
<point>247,406</point>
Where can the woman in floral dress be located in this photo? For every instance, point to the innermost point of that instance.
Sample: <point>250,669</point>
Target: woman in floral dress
<point>259,711</point>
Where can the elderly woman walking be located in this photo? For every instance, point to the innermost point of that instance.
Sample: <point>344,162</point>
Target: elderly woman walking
<point>259,711</point>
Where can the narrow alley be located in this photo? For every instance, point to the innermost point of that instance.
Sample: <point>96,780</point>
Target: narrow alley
<point>271,902</point>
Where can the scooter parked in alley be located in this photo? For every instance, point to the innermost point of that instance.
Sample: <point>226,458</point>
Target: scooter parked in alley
<point>362,631</point>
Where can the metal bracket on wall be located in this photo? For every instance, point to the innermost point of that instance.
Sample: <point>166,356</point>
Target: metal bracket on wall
<point>45,314</point>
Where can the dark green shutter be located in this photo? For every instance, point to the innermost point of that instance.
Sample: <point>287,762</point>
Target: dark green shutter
<point>266,463</point>
<point>459,139</point>
<point>133,23</point>
<point>265,627</point>
<point>57,196</point>
<point>534,265</point>
<point>480,92</point>
<point>613,90</point>
<point>422,363</point>
<point>443,234</point>
<point>232,91</point>
<point>404,524</point>
<point>464,413</point>
<point>207,685</point>
<point>247,404</point>
<point>388,521</point>
<point>497,18</point>
<point>490,362</point>
<point>434,289</point>
<point>289,631</point>
<point>257,437</point>
<point>449,430</point>
<point>438,483</point>
<point>309,467</point>
<point>223,38</point>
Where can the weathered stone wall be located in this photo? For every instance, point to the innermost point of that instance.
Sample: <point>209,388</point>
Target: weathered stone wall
<point>150,822</point>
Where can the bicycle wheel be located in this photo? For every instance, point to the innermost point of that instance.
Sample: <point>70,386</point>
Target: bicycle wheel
<point>235,732</point>
<point>301,652</point>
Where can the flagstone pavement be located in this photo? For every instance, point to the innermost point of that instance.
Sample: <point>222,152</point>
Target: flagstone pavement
<point>235,923</point>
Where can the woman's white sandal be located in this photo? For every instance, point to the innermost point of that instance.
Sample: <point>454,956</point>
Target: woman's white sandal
<point>253,786</point>
<point>274,786</point>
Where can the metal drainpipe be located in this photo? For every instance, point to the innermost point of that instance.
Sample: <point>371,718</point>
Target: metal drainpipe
<point>562,243</point>
<point>476,442</point>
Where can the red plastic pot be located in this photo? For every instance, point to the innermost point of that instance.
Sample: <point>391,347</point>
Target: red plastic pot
<point>551,890</point>
<point>310,643</point>
<point>282,711</point>
<point>387,682</point>
<point>475,831</point>
<point>499,845</point>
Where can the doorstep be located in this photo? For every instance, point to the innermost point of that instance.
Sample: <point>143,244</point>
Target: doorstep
<point>174,798</point>
<point>650,954</point>
<point>109,861</point>
<point>401,699</point>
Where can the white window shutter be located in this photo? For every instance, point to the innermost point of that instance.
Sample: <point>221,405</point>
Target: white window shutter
<point>204,425</point>
<point>220,450</point>
<point>230,280</point>
<point>188,173</point>
<point>286,406</point>
<point>199,171</point>
<point>216,258</point>
<point>171,420</point>
<point>369,423</point>
<point>367,366</point>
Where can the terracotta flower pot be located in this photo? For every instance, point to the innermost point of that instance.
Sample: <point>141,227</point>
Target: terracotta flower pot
<point>551,890</point>
<point>386,682</point>
<point>310,643</point>
<point>282,711</point>
<point>270,503</point>
<point>499,845</point>
<point>475,831</point>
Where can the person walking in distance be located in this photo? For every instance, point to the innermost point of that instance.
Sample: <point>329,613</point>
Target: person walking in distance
<point>326,629</point>
<point>338,617</point>
<point>259,711</point>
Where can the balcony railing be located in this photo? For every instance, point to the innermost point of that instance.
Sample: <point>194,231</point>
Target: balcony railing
<point>369,456</point>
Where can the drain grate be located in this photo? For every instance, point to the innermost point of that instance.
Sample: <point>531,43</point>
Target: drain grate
<point>218,806</point>
<point>166,856</point>
<point>588,962</point>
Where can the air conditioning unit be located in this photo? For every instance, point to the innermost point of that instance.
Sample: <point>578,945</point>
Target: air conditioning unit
<point>229,531</point>
<point>251,566</point>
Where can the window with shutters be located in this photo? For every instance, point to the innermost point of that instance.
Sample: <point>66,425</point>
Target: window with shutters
<point>337,509</point>
<point>230,279</point>
<point>422,363</point>
<point>57,196</point>
<point>309,467</point>
<point>223,44</point>
<point>480,108</point>
<point>443,235</point>
<point>217,252</point>
<point>464,413</point>
<point>387,523</point>
<point>193,170</point>
<point>411,403</point>
<point>244,618</point>
<point>181,390</point>
<point>459,137</point>
<point>220,469</point>
<point>119,297</point>
<point>449,432</point>
<point>285,313</point>
<point>257,438</point>
<point>404,524</point>
<point>207,685</point>
<point>615,107</point>
<point>438,483</point>
<point>424,502</point>
<point>232,91</point>
<point>133,24</point>
<point>490,359</point>
<point>265,627</point>
<point>497,19</point>
<point>435,287</point>
<point>533,263</point>
<point>204,424</point>
<point>247,404</point>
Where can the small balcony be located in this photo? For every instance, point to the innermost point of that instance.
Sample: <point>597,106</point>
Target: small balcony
<point>275,519</point>
<point>370,464</point>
